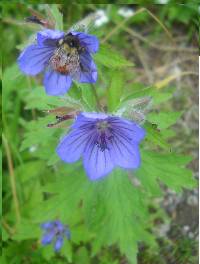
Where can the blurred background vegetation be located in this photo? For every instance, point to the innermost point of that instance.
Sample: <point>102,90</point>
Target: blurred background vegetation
<point>157,58</point>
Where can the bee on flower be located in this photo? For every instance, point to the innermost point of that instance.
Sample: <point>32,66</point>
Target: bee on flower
<point>62,57</point>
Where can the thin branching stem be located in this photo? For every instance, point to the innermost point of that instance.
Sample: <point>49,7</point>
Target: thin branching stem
<point>122,24</point>
<point>12,178</point>
<point>157,46</point>
<point>166,81</point>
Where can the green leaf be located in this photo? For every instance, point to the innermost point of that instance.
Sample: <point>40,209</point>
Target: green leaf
<point>110,58</point>
<point>82,256</point>
<point>34,169</point>
<point>140,90</point>
<point>115,90</point>
<point>38,133</point>
<point>164,119</point>
<point>3,260</point>
<point>88,97</point>
<point>57,16</point>
<point>37,99</point>
<point>67,190</point>
<point>161,97</point>
<point>116,212</point>
<point>155,136</point>
<point>113,209</point>
<point>80,233</point>
<point>66,250</point>
<point>12,79</point>
<point>167,168</point>
<point>27,230</point>
<point>47,252</point>
<point>137,90</point>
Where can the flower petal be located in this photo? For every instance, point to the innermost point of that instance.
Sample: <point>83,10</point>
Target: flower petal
<point>34,59</point>
<point>59,225</point>
<point>124,152</point>
<point>88,119</point>
<point>58,243</point>
<point>44,37</point>
<point>97,163</point>
<point>47,225</point>
<point>72,146</point>
<point>56,83</point>
<point>87,72</point>
<point>130,129</point>
<point>48,237</point>
<point>90,42</point>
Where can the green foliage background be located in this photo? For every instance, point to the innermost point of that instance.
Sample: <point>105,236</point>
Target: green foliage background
<point>110,220</point>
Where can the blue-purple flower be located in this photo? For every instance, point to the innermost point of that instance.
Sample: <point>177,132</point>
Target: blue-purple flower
<point>63,56</point>
<point>104,142</point>
<point>55,232</point>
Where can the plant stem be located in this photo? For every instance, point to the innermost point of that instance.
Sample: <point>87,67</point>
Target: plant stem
<point>9,229</point>
<point>96,96</point>
<point>12,178</point>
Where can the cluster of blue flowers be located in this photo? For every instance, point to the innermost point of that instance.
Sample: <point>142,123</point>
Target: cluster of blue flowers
<point>55,232</point>
<point>103,141</point>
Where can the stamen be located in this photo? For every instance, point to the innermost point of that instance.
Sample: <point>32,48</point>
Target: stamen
<point>104,135</point>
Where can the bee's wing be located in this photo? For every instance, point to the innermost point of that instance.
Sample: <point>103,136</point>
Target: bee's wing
<point>86,24</point>
<point>135,109</point>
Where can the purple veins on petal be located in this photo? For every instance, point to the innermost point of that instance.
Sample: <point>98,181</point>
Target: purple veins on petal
<point>72,146</point>
<point>97,163</point>
<point>104,142</point>
<point>34,59</point>
<point>125,155</point>
<point>127,128</point>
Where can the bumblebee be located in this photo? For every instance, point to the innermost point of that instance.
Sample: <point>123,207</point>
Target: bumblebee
<point>66,58</point>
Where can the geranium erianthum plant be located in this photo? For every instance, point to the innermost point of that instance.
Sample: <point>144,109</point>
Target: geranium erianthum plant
<point>104,141</point>
<point>63,56</point>
<point>55,232</point>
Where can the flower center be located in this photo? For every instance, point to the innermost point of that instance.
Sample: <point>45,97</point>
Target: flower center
<point>102,125</point>
<point>104,135</point>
